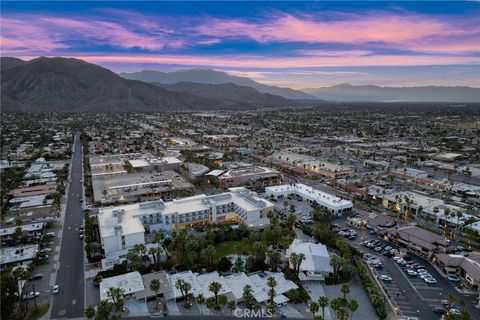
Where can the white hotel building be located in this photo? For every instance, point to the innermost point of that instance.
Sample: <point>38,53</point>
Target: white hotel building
<point>336,205</point>
<point>121,227</point>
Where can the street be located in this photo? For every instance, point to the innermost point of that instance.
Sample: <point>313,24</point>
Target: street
<point>69,302</point>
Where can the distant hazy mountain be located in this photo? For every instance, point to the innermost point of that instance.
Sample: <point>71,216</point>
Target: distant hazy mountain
<point>228,93</point>
<point>346,92</point>
<point>208,76</point>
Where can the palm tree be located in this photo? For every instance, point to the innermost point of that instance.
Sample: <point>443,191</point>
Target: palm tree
<point>336,304</point>
<point>459,215</point>
<point>323,303</point>
<point>238,265</point>
<point>133,259</point>
<point>158,239</point>
<point>200,301</point>
<point>274,259</point>
<point>450,300</point>
<point>336,262</point>
<point>90,312</point>
<point>471,235</point>
<point>353,306</point>
<point>222,302</point>
<point>207,254</point>
<point>248,296</point>
<point>116,295</point>
<point>215,287</point>
<point>345,289</point>
<point>314,307</point>
<point>155,285</point>
<point>184,288</point>
<point>271,283</point>
<point>231,305</point>
<point>296,260</point>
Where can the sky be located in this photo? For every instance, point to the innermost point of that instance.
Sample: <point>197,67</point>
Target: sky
<point>301,44</point>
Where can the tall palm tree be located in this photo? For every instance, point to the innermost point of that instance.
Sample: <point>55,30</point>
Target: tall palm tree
<point>184,288</point>
<point>200,301</point>
<point>345,289</point>
<point>274,259</point>
<point>314,307</point>
<point>323,303</point>
<point>158,239</point>
<point>155,285</point>
<point>271,283</point>
<point>353,306</point>
<point>222,302</point>
<point>215,288</point>
<point>231,305</point>
<point>207,255</point>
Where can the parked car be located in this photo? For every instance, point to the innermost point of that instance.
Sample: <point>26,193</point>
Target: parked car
<point>430,280</point>
<point>36,277</point>
<point>56,289</point>
<point>81,236</point>
<point>386,278</point>
<point>454,278</point>
<point>439,310</point>
<point>31,295</point>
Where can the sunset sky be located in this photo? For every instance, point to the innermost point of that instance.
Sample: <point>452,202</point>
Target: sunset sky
<point>295,44</point>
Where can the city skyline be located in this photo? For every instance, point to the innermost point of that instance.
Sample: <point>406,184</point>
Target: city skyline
<point>298,45</point>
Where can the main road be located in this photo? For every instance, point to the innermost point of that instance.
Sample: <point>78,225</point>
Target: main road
<point>69,302</point>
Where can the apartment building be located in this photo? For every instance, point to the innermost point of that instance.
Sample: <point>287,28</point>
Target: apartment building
<point>121,227</point>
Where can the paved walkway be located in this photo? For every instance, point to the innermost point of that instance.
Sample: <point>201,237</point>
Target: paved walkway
<point>173,309</point>
<point>365,309</point>
<point>316,290</point>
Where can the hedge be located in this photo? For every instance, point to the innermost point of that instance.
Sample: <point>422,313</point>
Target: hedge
<point>374,294</point>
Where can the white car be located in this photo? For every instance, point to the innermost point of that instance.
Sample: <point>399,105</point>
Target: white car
<point>430,280</point>
<point>31,295</point>
<point>56,289</point>
<point>385,278</point>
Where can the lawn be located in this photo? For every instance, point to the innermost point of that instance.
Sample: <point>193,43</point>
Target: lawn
<point>40,311</point>
<point>228,247</point>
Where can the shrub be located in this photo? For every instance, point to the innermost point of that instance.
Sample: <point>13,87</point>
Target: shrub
<point>374,294</point>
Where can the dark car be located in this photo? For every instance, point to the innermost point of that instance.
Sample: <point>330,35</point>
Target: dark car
<point>439,310</point>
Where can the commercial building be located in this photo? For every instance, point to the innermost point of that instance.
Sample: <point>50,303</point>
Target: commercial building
<point>468,268</point>
<point>16,256</point>
<point>252,176</point>
<point>336,205</point>
<point>121,227</point>
<point>31,208</point>
<point>417,240</point>
<point>408,174</point>
<point>316,265</point>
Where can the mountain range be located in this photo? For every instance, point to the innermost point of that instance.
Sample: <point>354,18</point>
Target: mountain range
<point>208,76</point>
<point>61,84</point>
<point>67,84</point>
<point>347,92</point>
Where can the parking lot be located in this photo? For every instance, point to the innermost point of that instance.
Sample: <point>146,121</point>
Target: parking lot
<point>407,290</point>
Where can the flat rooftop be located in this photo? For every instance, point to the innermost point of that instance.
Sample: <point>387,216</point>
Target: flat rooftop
<point>17,254</point>
<point>249,171</point>
<point>140,183</point>
<point>129,283</point>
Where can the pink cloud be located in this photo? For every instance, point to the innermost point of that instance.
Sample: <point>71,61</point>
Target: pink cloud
<point>401,30</point>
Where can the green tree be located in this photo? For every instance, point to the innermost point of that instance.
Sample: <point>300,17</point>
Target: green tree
<point>323,303</point>
<point>274,258</point>
<point>104,310</point>
<point>201,302</point>
<point>222,302</point>
<point>207,255</point>
<point>215,288</point>
<point>314,307</point>
<point>184,288</point>
<point>155,286</point>
<point>231,305</point>
<point>248,297</point>
<point>90,312</point>
<point>271,283</point>
<point>336,262</point>
<point>118,301</point>
<point>353,306</point>
<point>345,289</point>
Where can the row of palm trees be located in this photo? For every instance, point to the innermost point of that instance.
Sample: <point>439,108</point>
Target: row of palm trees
<point>342,307</point>
<point>218,302</point>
